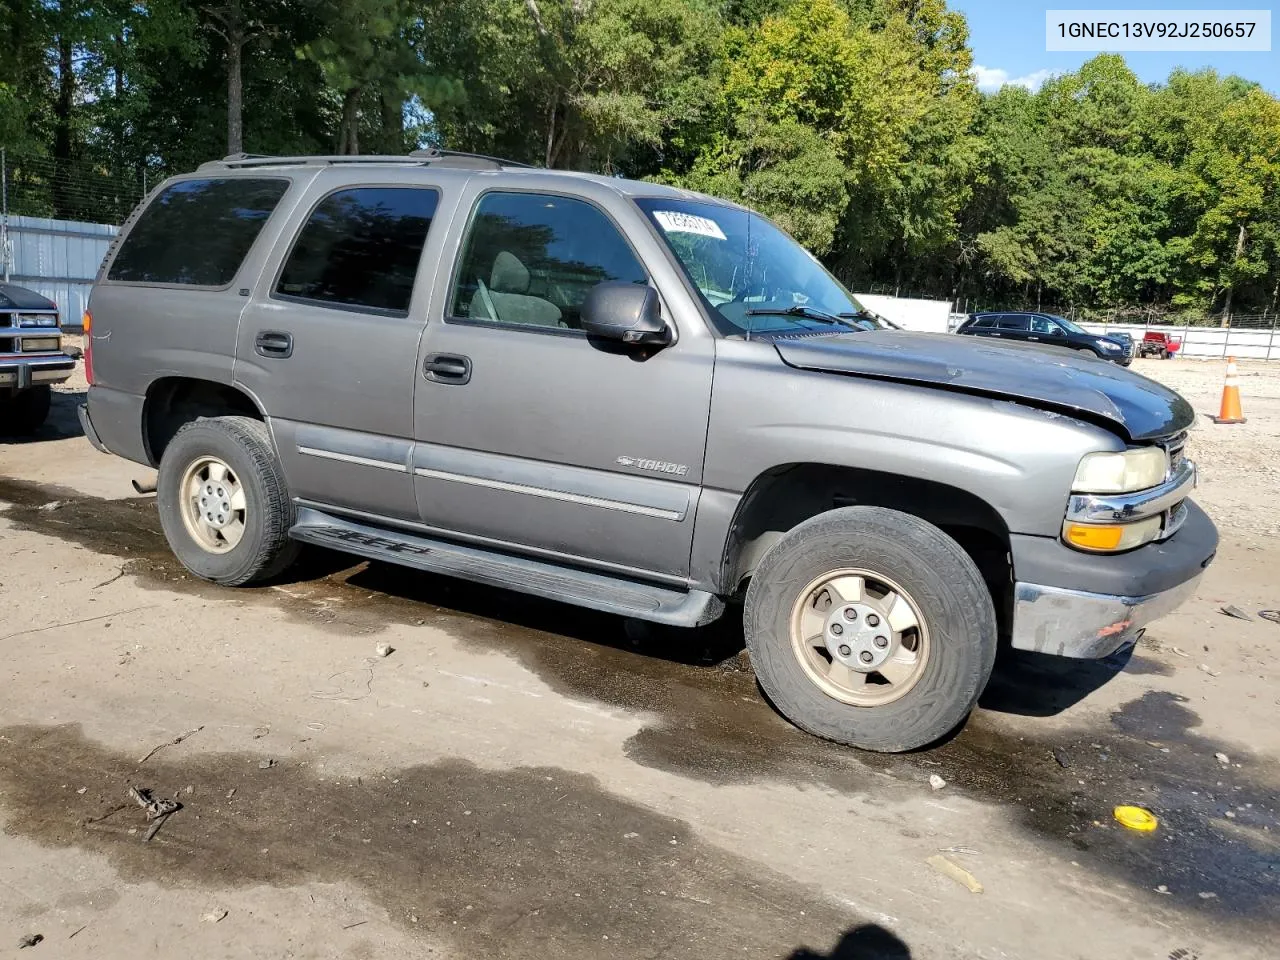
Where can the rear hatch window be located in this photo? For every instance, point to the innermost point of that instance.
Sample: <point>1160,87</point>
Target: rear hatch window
<point>197,232</point>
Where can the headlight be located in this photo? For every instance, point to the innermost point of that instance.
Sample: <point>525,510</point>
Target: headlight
<point>1136,469</point>
<point>1112,537</point>
<point>37,321</point>
<point>1109,345</point>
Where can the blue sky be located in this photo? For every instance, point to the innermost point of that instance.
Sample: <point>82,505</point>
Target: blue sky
<point>1008,43</point>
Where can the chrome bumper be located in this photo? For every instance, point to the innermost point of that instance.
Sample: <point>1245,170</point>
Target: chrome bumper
<point>1073,623</point>
<point>21,371</point>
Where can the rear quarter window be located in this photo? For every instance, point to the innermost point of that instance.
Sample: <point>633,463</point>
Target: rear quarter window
<point>197,232</point>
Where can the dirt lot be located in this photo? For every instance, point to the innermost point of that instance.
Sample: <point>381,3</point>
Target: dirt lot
<point>521,779</point>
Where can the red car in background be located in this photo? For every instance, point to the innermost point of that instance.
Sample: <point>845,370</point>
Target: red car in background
<point>1155,344</point>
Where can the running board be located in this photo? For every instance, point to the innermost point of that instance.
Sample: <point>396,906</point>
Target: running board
<point>611,594</point>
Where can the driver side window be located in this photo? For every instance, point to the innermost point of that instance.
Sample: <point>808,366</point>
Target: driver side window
<point>531,259</point>
<point>1042,325</point>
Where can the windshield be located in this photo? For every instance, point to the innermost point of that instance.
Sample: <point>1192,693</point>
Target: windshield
<point>746,268</point>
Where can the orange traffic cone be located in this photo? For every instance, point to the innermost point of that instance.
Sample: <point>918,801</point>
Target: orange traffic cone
<point>1230,411</point>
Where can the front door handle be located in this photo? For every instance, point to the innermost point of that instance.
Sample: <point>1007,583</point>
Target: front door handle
<point>274,344</point>
<point>1033,338</point>
<point>447,368</point>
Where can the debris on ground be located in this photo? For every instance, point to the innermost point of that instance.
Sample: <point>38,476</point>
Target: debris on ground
<point>266,764</point>
<point>1061,757</point>
<point>936,782</point>
<point>217,915</point>
<point>260,732</point>
<point>1272,615</point>
<point>956,872</point>
<point>1207,895</point>
<point>51,506</point>
<point>169,743</point>
<point>155,806</point>
<point>31,939</point>
<point>1222,758</point>
<point>231,793</point>
<point>1234,611</point>
<point>1164,888</point>
<point>384,649</point>
<point>1205,668</point>
<point>1181,653</point>
<point>1136,818</point>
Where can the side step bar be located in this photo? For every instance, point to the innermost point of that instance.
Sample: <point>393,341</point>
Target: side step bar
<point>611,594</point>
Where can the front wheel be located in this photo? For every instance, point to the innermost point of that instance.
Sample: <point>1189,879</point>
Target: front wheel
<point>223,502</point>
<point>872,628</point>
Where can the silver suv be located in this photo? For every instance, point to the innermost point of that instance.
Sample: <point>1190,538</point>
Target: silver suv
<point>637,399</point>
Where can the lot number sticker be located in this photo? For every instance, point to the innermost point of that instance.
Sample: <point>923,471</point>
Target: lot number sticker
<point>674,222</point>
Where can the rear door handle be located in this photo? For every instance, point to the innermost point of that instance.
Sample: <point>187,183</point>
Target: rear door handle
<point>274,344</point>
<point>447,368</point>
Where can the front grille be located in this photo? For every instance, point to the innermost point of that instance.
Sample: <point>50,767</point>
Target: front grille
<point>1174,446</point>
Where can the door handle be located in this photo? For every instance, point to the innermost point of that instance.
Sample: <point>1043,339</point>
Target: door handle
<point>447,368</point>
<point>274,344</point>
<point>1033,338</point>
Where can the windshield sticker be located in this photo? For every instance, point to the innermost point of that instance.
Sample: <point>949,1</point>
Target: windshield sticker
<point>674,222</point>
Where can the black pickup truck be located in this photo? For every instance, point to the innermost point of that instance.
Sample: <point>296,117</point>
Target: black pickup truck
<point>31,358</point>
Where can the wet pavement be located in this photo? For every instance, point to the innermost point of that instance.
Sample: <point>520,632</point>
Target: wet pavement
<point>1217,851</point>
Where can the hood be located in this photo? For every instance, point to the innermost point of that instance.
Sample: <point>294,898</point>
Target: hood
<point>13,297</point>
<point>1063,380</point>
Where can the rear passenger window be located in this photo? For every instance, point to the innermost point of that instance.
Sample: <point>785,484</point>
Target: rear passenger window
<point>1014,321</point>
<point>360,248</point>
<point>197,232</point>
<point>531,259</point>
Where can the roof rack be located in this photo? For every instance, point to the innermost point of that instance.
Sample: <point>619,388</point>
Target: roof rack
<point>458,158</point>
<point>432,155</point>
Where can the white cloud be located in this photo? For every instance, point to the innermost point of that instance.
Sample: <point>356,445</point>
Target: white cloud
<point>991,79</point>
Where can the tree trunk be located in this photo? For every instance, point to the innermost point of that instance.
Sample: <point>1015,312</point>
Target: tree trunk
<point>235,92</point>
<point>551,135</point>
<point>392,123</point>
<point>348,136</point>
<point>117,160</point>
<point>62,193</point>
<point>1226,309</point>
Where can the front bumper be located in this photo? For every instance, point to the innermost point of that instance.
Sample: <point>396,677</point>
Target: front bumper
<point>1088,606</point>
<point>22,371</point>
<point>1088,626</point>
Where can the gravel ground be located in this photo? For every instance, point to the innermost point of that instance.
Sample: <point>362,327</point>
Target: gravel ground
<point>522,780</point>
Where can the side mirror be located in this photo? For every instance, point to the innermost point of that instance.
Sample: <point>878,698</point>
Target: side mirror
<point>625,312</point>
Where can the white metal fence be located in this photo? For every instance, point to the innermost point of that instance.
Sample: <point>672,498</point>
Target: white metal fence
<point>57,258</point>
<point>1207,342</point>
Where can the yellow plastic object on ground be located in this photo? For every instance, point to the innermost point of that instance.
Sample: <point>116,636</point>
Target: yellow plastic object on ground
<point>1136,818</point>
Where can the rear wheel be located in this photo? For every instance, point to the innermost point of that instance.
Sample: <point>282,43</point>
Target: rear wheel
<point>223,502</point>
<point>872,628</point>
<point>26,412</point>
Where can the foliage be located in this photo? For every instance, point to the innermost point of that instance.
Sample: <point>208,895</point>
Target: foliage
<point>855,124</point>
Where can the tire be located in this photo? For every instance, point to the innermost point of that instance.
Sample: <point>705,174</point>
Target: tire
<point>955,639</point>
<point>26,412</point>
<point>261,523</point>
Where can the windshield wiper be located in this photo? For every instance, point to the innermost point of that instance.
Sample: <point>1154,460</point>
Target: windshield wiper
<point>804,313</point>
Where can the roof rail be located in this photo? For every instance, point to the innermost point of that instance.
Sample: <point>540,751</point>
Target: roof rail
<point>459,158</point>
<point>432,155</point>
